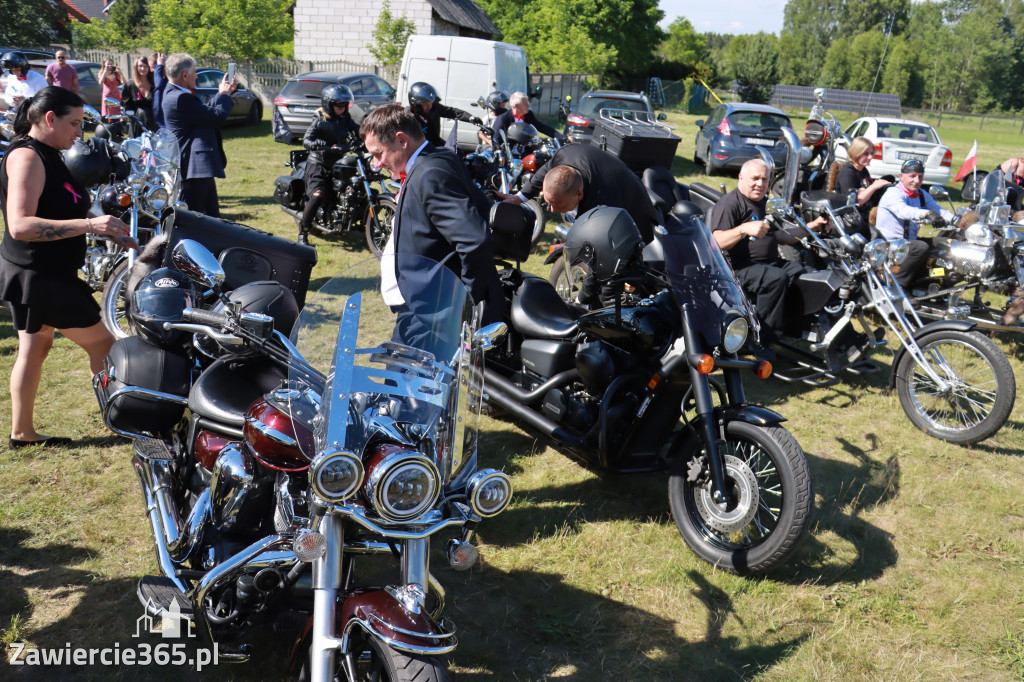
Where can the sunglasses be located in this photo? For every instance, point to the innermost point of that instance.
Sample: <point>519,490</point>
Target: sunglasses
<point>60,59</point>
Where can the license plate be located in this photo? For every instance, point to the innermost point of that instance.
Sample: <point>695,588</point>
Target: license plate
<point>304,110</point>
<point>907,156</point>
<point>760,140</point>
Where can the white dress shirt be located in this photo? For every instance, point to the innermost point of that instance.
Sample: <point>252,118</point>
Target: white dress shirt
<point>388,275</point>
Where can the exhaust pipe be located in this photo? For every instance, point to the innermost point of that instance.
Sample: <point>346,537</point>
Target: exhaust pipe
<point>497,395</point>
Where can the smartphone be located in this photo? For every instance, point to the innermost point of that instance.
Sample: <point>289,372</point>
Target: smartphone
<point>231,72</point>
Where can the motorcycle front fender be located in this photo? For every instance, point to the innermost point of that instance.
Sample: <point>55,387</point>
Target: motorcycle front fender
<point>752,414</point>
<point>556,253</point>
<point>931,327</point>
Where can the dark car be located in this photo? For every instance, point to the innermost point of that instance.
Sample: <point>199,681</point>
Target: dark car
<point>614,103</point>
<point>731,134</point>
<point>300,97</point>
<point>247,108</point>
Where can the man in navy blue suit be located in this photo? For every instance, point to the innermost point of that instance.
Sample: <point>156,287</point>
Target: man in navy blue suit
<point>197,127</point>
<point>441,214</point>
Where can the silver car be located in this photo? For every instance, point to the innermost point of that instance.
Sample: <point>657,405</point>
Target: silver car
<point>300,97</point>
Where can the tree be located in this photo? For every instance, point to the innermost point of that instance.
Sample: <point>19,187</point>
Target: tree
<point>808,29</point>
<point>390,36</point>
<point>29,22</point>
<point>757,68</point>
<point>682,44</point>
<point>131,17</point>
<point>243,29</point>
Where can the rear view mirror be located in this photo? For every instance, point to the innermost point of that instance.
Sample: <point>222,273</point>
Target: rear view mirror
<point>699,123</point>
<point>195,261</point>
<point>938,192</point>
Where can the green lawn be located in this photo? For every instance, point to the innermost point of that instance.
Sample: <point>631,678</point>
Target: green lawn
<point>913,569</point>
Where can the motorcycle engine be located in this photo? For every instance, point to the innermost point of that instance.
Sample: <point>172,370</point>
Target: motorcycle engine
<point>969,259</point>
<point>577,410</point>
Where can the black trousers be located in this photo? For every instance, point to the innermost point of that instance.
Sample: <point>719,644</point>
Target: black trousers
<point>766,284</point>
<point>912,267</point>
<point>201,195</point>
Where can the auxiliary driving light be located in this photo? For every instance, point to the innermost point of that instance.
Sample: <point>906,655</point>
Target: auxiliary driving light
<point>898,250</point>
<point>489,492</point>
<point>462,555</point>
<point>876,252</point>
<point>309,545</point>
<point>157,198</point>
<point>335,475</point>
<point>735,334</point>
<point>136,181</point>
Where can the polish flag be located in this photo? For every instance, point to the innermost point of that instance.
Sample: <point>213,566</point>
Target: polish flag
<point>969,164</point>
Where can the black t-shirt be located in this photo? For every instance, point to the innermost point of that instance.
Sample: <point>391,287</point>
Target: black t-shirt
<point>850,179</point>
<point>735,209</point>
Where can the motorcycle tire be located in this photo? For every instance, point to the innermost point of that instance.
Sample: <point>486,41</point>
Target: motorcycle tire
<point>567,286</point>
<point>770,519</point>
<point>981,398</point>
<point>114,304</point>
<point>383,664</point>
<point>539,223</point>
<point>384,208</point>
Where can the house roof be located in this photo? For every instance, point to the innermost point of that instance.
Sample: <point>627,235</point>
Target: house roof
<point>91,8</point>
<point>75,10</point>
<point>465,13</point>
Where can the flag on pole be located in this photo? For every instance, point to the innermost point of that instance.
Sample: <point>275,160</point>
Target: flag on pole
<point>969,164</point>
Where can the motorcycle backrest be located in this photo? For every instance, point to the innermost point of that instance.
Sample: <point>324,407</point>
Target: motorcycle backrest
<point>512,227</point>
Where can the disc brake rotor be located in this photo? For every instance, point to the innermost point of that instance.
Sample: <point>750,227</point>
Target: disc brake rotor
<point>742,484</point>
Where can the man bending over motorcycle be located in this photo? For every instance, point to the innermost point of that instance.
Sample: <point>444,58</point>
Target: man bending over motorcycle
<point>901,207</point>
<point>327,139</point>
<point>752,247</point>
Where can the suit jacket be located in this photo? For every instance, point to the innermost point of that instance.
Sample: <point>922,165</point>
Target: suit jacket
<point>607,181</point>
<point>197,127</point>
<point>442,215</point>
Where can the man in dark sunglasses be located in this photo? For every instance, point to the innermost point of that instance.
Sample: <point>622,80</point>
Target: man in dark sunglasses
<point>62,74</point>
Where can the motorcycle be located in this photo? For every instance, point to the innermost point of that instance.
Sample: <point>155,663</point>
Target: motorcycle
<point>966,264</point>
<point>6,130</point>
<point>952,382</point>
<point>822,135</point>
<point>361,198</point>
<point>354,440</point>
<point>628,388</point>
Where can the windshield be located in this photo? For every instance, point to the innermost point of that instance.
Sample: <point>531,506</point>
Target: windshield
<point>700,277</point>
<point>991,186</point>
<point>408,372</point>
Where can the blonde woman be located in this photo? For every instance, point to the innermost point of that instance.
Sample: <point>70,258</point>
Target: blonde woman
<point>854,177</point>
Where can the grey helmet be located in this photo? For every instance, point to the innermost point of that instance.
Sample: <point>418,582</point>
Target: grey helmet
<point>605,239</point>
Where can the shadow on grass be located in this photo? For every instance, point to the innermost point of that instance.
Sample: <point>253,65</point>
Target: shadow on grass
<point>242,132</point>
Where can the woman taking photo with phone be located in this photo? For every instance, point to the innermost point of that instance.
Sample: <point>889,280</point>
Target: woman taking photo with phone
<point>45,224</point>
<point>111,79</point>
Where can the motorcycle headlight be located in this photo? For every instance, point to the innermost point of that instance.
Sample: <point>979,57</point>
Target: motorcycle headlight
<point>403,486</point>
<point>735,334</point>
<point>335,475</point>
<point>876,251</point>
<point>898,250</point>
<point>489,492</point>
<point>157,198</point>
<point>516,167</point>
<point>136,181</point>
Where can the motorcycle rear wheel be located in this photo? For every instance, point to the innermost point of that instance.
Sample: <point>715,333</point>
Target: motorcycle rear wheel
<point>378,663</point>
<point>980,399</point>
<point>384,209</point>
<point>773,489</point>
<point>114,303</point>
<point>567,285</point>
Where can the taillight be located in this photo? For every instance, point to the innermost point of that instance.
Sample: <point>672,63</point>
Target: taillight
<point>723,127</point>
<point>577,120</point>
<point>278,101</point>
<point>947,159</point>
<point>878,152</point>
<point>530,162</point>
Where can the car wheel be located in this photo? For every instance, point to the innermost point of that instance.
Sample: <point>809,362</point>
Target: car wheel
<point>255,113</point>
<point>709,168</point>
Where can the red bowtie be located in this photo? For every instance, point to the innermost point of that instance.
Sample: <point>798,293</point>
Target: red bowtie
<point>518,118</point>
<point>401,178</point>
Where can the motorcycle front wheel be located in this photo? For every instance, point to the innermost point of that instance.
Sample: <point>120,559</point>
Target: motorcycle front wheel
<point>375,662</point>
<point>772,494</point>
<point>377,239</point>
<point>981,391</point>
<point>567,285</point>
<point>114,303</point>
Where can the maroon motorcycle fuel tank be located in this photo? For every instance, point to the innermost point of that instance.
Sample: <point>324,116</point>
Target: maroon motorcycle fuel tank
<point>277,441</point>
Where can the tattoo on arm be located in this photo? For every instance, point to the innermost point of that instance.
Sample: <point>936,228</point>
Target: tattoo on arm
<point>45,231</point>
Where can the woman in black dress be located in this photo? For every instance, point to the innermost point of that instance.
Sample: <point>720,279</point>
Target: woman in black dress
<point>137,96</point>
<point>45,220</point>
<point>854,177</point>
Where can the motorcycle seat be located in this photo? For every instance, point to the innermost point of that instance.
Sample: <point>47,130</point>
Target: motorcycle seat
<point>224,392</point>
<point>538,312</point>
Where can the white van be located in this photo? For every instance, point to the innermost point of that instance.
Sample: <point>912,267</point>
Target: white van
<point>462,70</point>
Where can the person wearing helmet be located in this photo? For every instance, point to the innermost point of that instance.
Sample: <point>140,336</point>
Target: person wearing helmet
<point>497,104</point>
<point>520,111</point>
<point>327,139</point>
<point>425,104</point>
<point>22,82</point>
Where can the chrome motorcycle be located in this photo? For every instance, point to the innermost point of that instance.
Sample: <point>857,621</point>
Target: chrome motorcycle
<point>354,441</point>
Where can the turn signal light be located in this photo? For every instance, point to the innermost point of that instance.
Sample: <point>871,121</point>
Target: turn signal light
<point>125,200</point>
<point>764,369</point>
<point>706,364</point>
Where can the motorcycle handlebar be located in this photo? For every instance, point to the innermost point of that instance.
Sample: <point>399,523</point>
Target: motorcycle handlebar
<point>207,317</point>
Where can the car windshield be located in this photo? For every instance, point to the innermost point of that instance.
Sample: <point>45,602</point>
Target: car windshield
<point>299,89</point>
<point>908,131</point>
<point>758,120</point>
<point>591,105</point>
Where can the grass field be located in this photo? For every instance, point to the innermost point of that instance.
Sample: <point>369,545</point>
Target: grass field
<point>913,570</point>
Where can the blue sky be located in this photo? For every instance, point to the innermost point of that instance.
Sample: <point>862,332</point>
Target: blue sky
<point>727,16</point>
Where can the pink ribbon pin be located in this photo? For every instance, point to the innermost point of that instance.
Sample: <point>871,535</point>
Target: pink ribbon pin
<point>76,195</point>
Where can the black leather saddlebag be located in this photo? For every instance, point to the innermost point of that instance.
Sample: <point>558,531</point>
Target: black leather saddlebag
<point>288,191</point>
<point>133,362</point>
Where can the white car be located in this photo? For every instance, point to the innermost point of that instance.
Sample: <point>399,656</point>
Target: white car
<point>898,140</point>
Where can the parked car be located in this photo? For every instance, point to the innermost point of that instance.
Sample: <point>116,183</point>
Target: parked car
<point>898,140</point>
<point>29,55</point>
<point>300,97</point>
<point>731,135</point>
<point>247,107</point>
<point>616,103</point>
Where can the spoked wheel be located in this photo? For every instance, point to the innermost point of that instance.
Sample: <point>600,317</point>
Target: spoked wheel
<point>539,221</point>
<point>567,285</point>
<point>114,303</point>
<point>981,387</point>
<point>772,499</point>
<point>377,663</point>
<point>377,238</point>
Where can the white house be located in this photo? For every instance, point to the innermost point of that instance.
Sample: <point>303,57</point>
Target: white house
<point>341,29</point>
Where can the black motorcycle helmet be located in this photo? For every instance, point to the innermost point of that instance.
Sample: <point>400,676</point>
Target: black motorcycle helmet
<point>422,93</point>
<point>336,94</point>
<point>478,164</point>
<point>522,133</point>
<point>267,297</point>
<point>497,99</point>
<point>161,297</point>
<point>603,238</point>
<point>89,162</point>
<point>11,60</point>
